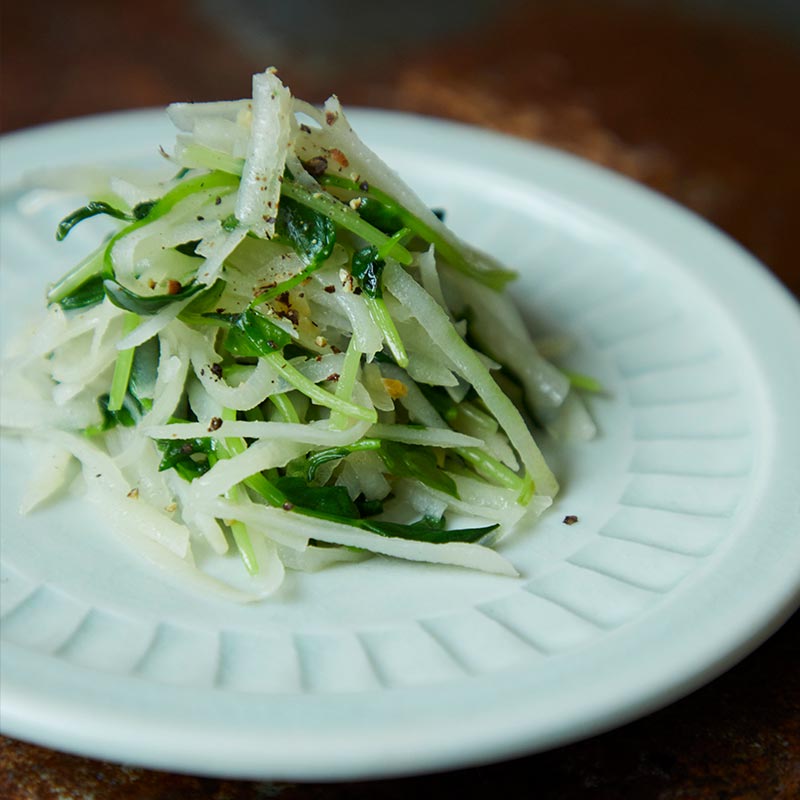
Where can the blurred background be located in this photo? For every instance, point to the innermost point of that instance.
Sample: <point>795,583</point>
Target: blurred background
<point>699,99</point>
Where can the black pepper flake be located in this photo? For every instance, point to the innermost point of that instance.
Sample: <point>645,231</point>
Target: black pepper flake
<point>334,376</point>
<point>570,519</point>
<point>287,506</point>
<point>283,297</point>
<point>357,290</point>
<point>364,186</point>
<point>217,200</point>
<point>202,371</point>
<point>215,424</point>
<point>318,358</point>
<point>316,166</point>
<point>305,128</point>
<point>335,349</point>
<point>217,369</point>
<point>271,344</point>
<point>200,218</point>
<point>330,289</point>
<point>269,220</point>
<point>331,117</point>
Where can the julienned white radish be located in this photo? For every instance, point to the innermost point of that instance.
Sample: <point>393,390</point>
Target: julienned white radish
<point>262,359</point>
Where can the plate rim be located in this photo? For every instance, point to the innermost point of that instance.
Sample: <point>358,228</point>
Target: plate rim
<point>764,618</point>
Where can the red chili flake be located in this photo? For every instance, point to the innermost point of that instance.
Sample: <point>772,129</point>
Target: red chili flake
<point>283,297</point>
<point>287,506</point>
<point>217,369</point>
<point>339,157</point>
<point>316,166</point>
<point>215,424</point>
<point>173,287</point>
<point>330,289</point>
<point>331,117</point>
<point>570,519</point>
<point>334,376</point>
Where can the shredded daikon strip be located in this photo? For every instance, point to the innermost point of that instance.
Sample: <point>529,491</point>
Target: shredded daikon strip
<point>260,190</point>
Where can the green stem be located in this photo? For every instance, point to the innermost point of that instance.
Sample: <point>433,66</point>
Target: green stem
<point>347,382</point>
<point>220,181</point>
<point>318,395</point>
<point>90,267</point>
<point>586,383</point>
<point>493,278</point>
<point>285,407</point>
<point>490,468</point>
<point>122,369</point>
<point>257,482</point>
<point>381,317</point>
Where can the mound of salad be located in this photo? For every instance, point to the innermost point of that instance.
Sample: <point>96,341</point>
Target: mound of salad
<point>282,351</point>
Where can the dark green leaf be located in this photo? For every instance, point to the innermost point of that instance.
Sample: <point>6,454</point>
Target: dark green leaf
<point>143,209</point>
<point>190,458</point>
<point>204,300</point>
<point>419,463</point>
<point>367,268</point>
<point>316,460</point>
<point>426,531</point>
<point>379,215</point>
<point>189,248</point>
<point>144,305</point>
<point>142,381</point>
<point>311,234</point>
<point>251,334</point>
<point>86,295</point>
<point>368,508</point>
<point>332,502</point>
<point>110,419</point>
<point>86,212</point>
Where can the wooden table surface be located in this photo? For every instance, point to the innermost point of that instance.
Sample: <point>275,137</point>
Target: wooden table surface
<point>704,112</point>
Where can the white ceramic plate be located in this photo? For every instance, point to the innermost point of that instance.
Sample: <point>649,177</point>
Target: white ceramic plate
<point>686,556</point>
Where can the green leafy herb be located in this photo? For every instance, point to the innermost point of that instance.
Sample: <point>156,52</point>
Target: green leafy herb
<point>419,463</point>
<point>331,501</point>
<point>190,458</point>
<point>367,269</point>
<point>147,305</point>
<point>92,209</point>
<point>427,530</point>
<point>251,334</point>
<point>88,294</point>
<point>381,216</point>
<point>110,418</point>
<point>189,248</point>
<point>311,234</point>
